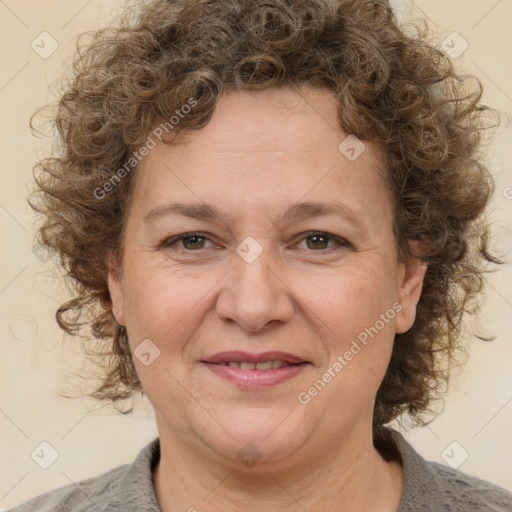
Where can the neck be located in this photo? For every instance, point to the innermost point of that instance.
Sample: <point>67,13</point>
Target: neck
<point>352,477</point>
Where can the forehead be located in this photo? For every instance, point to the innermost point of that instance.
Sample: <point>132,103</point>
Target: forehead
<point>262,147</point>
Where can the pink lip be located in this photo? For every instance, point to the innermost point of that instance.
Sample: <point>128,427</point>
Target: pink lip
<point>238,355</point>
<point>256,379</point>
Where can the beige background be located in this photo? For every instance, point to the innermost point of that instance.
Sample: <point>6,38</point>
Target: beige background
<point>34,362</point>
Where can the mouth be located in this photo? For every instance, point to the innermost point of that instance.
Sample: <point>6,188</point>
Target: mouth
<point>238,356</point>
<point>265,365</point>
<point>255,371</point>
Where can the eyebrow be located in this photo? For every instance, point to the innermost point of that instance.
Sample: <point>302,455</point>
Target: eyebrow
<point>298,211</point>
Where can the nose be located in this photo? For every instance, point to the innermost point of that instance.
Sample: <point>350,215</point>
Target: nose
<point>254,294</point>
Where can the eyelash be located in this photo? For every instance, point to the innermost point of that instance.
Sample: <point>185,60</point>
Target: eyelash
<point>173,240</point>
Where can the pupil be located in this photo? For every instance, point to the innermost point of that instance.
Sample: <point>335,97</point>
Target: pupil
<point>194,239</point>
<point>316,237</point>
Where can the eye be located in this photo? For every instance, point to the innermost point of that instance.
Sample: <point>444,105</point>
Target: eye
<point>191,241</point>
<point>319,240</point>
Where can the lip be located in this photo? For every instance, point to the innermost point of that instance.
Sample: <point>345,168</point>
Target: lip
<point>238,355</point>
<point>255,379</point>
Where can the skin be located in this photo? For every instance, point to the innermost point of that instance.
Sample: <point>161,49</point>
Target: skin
<point>261,153</point>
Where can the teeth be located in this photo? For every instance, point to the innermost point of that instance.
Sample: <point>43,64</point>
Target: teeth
<point>265,365</point>
<point>279,364</point>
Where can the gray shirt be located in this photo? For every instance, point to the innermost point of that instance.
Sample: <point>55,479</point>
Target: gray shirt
<point>427,487</point>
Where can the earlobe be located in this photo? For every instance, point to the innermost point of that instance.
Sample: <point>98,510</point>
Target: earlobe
<point>410,286</point>
<point>115,287</point>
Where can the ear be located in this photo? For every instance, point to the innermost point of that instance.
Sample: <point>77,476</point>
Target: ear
<point>115,287</point>
<point>410,284</point>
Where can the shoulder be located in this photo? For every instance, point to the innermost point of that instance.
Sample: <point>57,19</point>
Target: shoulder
<point>430,486</point>
<point>125,488</point>
<point>467,492</point>
<point>87,495</point>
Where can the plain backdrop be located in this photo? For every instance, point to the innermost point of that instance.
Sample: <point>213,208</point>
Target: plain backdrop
<point>473,431</point>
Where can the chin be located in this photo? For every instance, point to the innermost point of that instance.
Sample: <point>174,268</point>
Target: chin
<point>254,437</point>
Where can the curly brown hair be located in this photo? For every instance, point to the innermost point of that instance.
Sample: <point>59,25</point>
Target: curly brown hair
<point>393,89</point>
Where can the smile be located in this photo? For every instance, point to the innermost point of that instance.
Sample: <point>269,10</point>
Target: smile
<point>256,376</point>
<point>266,365</point>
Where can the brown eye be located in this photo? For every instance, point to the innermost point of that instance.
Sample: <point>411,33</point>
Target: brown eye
<point>319,241</point>
<point>193,242</point>
<point>190,241</point>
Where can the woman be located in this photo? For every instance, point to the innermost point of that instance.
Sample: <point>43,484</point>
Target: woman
<point>277,208</point>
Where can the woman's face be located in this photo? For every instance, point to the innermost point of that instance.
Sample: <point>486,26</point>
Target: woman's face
<point>261,276</point>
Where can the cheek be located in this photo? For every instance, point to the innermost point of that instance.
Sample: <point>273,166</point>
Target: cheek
<point>350,298</point>
<point>357,315</point>
<point>165,310</point>
<point>155,302</point>
<point>165,304</point>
